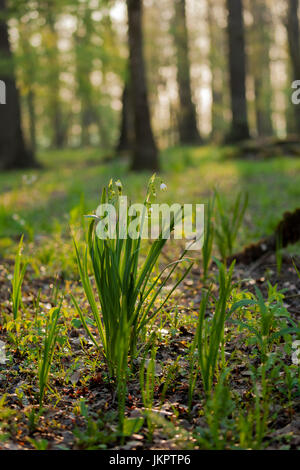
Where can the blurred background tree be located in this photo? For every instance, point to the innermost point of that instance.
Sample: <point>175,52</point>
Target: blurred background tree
<point>260,40</point>
<point>293,33</point>
<point>237,71</point>
<point>188,131</point>
<point>13,151</point>
<point>145,155</point>
<point>184,72</point>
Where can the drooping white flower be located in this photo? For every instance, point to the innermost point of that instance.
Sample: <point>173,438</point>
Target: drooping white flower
<point>163,187</point>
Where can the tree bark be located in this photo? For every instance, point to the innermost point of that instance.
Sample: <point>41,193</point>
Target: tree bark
<point>90,110</point>
<point>145,154</point>
<point>289,106</point>
<point>237,68</point>
<point>294,49</point>
<point>32,119</point>
<point>126,139</point>
<point>188,131</point>
<point>261,43</point>
<point>58,126</point>
<point>13,152</point>
<point>216,57</point>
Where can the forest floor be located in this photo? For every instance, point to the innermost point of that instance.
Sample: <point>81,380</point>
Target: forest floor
<point>255,402</point>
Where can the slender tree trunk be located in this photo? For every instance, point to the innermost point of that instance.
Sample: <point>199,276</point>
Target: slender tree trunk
<point>32,119</point>
<point>29,80</point>
<point>145,154</point>
<point>127,127</point>
<point>261,43</point>
<point>188,131</point>
<point>237,69</point>
<point>13,152</point>
<point>289,106</point>
<point>59,129</point>
<point>216,51</point>
<point>294,49</point>
<point>84,68</point>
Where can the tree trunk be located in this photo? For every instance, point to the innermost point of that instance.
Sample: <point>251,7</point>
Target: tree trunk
<point>13,153</point>
<point>145,154</point>
<point>216,57</point>
<point>84,69</point>
<point>289,106</point>
<point>188,131</point>
<point>32,119</point>
<point>126,129</point>
<point>237,68</point>
<point>56,115</point>
<point>294,49</point>
<point>261,43</point>
<point>29,70</point>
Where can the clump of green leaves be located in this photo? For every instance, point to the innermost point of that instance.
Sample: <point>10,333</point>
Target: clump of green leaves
<point>217,411</point>
<point>229,221</point>
<point>124,281</point>
<point>209,334</point>
<point>46,356</point>
<point>208,238</point>
<point>266,328</point>
<point>96,434</point>
<point>6,415</point>
<point>17,281</point>
<point>147,384</point>
<point>126,292</point>
<point>296,269</point>
<point>208,344</point>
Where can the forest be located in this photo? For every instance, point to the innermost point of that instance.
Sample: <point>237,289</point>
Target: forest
<point>122,329</point>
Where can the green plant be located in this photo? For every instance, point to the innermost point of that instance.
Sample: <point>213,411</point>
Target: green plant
<point>39,444</point>
<point>296,269</point>
<point>249,426</point>
<point>19,273</point>
<point>209,335</point>
<point>172,370</point>
<point>265,329</point>
<point>261,409</point>
<point>229,223</point>
<point>47,353</point>
<point>95,434</point>
<point>126,292</point>
<point>218,408</point>
<point>147,384</point>
<point>6,417</point>
<point>208,344</point>
<point>33,419</point>
<point>208,238</point>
